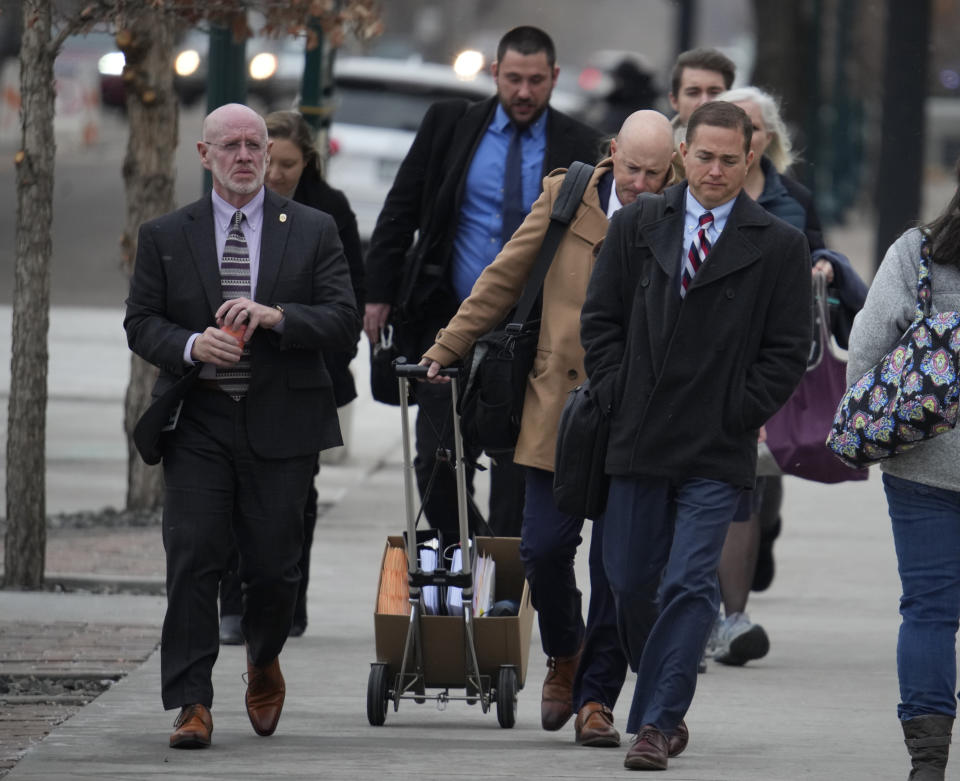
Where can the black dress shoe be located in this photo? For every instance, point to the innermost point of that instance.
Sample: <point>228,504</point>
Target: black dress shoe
<point>230,631</point>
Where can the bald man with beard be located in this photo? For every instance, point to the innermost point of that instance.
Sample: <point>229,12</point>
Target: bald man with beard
<point>236,298</point>
<point>586,666</point>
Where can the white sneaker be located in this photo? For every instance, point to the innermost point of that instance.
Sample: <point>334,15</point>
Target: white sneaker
<point>710,647</point>
<point>739,640</point>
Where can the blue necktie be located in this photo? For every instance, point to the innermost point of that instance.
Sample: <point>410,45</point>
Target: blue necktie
<point>513,211</point>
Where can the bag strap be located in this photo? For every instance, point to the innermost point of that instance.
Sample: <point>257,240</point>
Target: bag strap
<point>924,285</point>
<point>574,185</point>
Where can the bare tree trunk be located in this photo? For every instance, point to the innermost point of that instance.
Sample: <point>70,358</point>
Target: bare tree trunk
<point>146,37</point>
<point>26,427</point>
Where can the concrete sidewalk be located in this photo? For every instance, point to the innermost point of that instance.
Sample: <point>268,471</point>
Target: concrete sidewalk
<point>820,706</point>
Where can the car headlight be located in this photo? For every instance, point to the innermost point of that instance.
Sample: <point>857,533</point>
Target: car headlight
<point>468,64</point>
<point>187,62</point>
<point>263,66</point>
<point>111,64</point>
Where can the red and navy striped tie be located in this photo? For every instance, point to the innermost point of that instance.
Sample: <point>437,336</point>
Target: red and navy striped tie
<point>697,254</point>
<point>235,283</point>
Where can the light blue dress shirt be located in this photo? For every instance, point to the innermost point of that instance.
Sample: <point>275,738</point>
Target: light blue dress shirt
<point>478,233</point>
<point>691,222</point>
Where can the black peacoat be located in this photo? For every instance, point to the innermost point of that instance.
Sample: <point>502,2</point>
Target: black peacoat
<point>688,382</point>
<point>313,191</point>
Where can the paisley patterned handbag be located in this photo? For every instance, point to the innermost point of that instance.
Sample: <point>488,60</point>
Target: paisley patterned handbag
<point>911,395</point>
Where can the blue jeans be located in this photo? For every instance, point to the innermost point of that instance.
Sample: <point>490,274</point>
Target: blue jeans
<point>926,533</point>
<point>661,547</point>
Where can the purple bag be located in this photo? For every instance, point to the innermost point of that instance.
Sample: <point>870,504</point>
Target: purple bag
<point>797,432</point>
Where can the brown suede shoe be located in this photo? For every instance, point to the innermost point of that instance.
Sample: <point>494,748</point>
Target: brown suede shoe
<point>648,750</point>
<point>678,740</point>
<point>556,702</point>
<point>265,694</point>
<point>594,727</point>
<point>192,728</point>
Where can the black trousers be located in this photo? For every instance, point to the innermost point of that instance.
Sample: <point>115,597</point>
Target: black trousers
<point>231,594</point>
<point>218,491</point>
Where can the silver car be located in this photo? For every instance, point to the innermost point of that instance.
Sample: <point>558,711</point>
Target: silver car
<point>378,106</point>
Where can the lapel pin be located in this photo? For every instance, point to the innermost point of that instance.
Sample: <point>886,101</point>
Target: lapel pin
<point>283,217</point>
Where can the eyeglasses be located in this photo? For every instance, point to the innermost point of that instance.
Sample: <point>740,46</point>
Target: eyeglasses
<point>232,147</point>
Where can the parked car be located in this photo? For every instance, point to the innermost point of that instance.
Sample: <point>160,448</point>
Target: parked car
<point>378,105</point>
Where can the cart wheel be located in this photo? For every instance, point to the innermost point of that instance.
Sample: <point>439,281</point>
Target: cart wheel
<point>377,695</point>
<point>507,697</point>
<point>420,690</point>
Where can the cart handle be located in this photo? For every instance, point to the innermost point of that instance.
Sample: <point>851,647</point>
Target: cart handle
<point>404,369</point>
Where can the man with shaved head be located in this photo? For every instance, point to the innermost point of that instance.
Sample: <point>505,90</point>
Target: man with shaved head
<point>639,162</point>
<point>235,298</point>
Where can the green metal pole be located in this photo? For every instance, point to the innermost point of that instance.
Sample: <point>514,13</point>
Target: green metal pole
<point>316,90</point>
<point>311,89</point>
<point>226,75</point>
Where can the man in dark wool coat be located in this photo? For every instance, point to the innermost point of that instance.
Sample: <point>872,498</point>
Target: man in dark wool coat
<point>696,328</point>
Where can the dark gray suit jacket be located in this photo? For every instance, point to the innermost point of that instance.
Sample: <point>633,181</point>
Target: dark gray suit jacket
<point>175,291</point>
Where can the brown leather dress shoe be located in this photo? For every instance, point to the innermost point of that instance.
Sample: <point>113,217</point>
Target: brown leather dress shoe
<point>648,750</point>
<point>192,728</point>
<point>594,727</point>
<point>678,740</point>
<point>556,702</point>
<point>265,694</point>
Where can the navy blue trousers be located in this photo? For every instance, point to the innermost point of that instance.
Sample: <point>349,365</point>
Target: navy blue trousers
<point>661,547</point>
<point>548,545</point>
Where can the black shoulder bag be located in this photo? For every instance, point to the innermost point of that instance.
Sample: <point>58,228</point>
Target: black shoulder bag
<point>580,482</point>
<point>496,370</point>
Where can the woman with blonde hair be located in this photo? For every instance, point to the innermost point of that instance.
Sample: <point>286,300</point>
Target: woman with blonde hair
<point>767,181</point>
<point>747,559</point>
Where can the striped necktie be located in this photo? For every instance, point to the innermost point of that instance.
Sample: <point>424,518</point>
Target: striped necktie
<point>235,283</point>
<point>697,254</point>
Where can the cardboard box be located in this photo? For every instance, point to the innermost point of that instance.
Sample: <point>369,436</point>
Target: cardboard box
<point>499,640</point>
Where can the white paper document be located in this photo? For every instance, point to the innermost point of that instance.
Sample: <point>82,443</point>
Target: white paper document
<point>455,593</point>
<point>484,579</point>
<point>428,563</point>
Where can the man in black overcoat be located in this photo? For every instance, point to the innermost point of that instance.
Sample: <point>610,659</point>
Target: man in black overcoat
<point>696,328</point>
<point>450,194</point>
